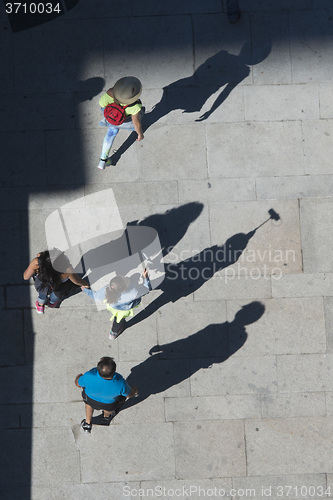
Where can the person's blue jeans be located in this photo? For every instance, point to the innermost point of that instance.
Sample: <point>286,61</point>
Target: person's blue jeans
<point>111,135</point>
<point>43,297</point>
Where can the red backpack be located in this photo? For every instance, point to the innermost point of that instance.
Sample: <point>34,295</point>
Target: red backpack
<point>115,113</point>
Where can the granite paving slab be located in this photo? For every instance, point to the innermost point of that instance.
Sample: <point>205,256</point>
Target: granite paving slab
<point>315,217</point>
<point>217,190</point>
<point>248,375</point>
<point>234,287</point>
<point>325,100</point>
<point>311,42</point>
<point>281,103</point>
<point>275,248</point>
<point>183,340</point>
<point>328,307</point>
<point>288,326</point>
<point>219,50</point>
<point>173,7</point>
<point>6,54</point>
<point>135,342</point>
<point>47,416</point>
<point>151,410</point>
<point>329,402</point>
<point>209,449</point>
<point>116,490</point>
<point>64,58</point>
<point>316,160</point>
<point>35,116</point>
<point>13,350</point>
<point>134,466</point>
<point>10,417</point>
<point>55,457</point>
<point>271,30</point>
<point>310,404</point>
<point>12,252</point>
<point>12,473</point>
<point>303,285</point>
<point>254,149</point>
<point>277,486</point>
<point>188,488</point>
<point>275,446</point>
<point>129,194</point>
<point>160,162</point>
<point>274,5</point>
<point>62,332</point>
<point>305,186</point>
<point>157,377</point>
<point>226,407</point>
<point>28,142</point>
<point>205,111</point>
<point>304,373</point>
<point>161,35</point>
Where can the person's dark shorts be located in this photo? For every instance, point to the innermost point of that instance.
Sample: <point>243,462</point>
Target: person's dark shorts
<point>97,405</point>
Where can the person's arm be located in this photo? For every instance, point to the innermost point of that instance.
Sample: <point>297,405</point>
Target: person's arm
<point>77,379</point>
<point>134,392</point>
<point>146,280</point>
<point>77,280</point>
<point>137,125</point>
<point>104,100</point>
<point>98,296</point>
<point>31,269</point>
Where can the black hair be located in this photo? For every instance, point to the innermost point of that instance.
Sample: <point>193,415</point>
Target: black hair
<point>106,367</point>
<point>116,287</point>
<point>46,272</point>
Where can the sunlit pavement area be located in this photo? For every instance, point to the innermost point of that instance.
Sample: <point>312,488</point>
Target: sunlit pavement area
<point>235,373</point>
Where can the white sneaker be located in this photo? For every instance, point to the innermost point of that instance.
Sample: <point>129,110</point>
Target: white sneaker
<point>103,163</point>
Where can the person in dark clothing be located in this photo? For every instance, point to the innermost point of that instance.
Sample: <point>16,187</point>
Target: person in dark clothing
<point>51,284</point>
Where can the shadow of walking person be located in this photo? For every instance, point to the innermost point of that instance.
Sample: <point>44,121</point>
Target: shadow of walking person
<point>172,363</point>
<point>112,254</point>
<point>191,93</point>
<point>173,224</point>
<point>187,276</point>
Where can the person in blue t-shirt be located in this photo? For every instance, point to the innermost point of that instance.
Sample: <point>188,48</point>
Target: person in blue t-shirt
<point>103,389</point>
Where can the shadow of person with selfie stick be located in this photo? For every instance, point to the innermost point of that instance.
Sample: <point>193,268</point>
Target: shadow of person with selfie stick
<point>186,277</point>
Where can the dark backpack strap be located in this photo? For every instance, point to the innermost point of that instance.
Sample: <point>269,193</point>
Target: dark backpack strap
<point>138,101</point>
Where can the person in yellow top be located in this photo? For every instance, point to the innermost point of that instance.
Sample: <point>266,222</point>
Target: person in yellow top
<point>122,109</point>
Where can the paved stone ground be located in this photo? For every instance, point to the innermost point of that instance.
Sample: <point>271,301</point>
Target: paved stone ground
<point>240,398</point>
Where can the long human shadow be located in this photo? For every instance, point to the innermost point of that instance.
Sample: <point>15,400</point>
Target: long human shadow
<point>172,363</point>
<point>187,276</point>
<point>191,93</point>
<point>171,226</point>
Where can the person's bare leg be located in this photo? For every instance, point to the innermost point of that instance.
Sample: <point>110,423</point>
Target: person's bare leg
<point>89,413</point>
